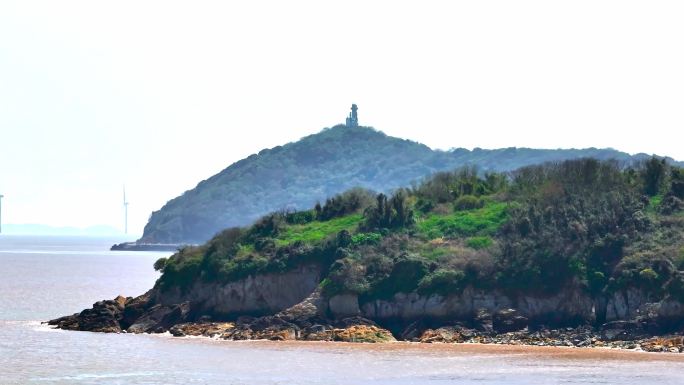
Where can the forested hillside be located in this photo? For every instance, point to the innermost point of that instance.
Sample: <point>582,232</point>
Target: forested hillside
<point>582,226</point>
<point>297,175</point>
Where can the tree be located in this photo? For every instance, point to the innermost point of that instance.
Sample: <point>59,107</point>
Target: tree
<point>159,264</point>
<point>654,175</point>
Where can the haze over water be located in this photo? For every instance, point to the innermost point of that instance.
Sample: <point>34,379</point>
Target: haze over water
<point>43,278</point>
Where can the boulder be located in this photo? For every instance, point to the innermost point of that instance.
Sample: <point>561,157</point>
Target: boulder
<point>447,334</point>
<point>667,344</point>
<point>278,333</point>
<point>134,309</point>
<point>483,321</point>
<point>318,332</point>
<point>623,331</point>
<point>362,333</point>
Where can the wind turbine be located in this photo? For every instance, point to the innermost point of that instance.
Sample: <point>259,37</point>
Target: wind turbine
<point>1,196</point>
<point>125,203</point>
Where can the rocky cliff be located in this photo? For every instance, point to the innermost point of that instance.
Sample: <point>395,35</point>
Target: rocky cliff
<point>291,306</point>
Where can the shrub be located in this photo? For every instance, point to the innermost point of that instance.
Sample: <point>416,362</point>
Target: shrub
<point>648,275</point>
<point>443,282</point>
<point>468,202</point>
<point>159,264</point>
<point>182,268</point>
<point>676,287</point>
<point>300,217</point>
<point>346,203</point>
<point>654,173</point>
<point>347,275</point>
<point>404,277</point>
<point>389,213</point>
<point>597,281</point>
<point>679,261</point>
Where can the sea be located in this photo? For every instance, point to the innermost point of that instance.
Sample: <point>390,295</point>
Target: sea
<point>46,277</point>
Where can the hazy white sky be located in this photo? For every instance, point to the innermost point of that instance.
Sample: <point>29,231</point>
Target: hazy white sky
<point>162,94</point>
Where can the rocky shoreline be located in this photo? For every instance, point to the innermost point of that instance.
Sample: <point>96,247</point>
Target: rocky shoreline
<point>304,322</point>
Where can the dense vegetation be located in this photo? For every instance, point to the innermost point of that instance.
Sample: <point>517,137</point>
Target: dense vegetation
<point>589,224</point>
<point>296,175</point>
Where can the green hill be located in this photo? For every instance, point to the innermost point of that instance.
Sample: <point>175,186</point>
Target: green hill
<point>297,175</point>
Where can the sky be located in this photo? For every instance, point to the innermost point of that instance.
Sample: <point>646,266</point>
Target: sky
<point>159,95</point>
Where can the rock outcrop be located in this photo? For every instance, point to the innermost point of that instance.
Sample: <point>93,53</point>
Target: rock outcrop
<point>254,295</point>
<point>103,317</point>
<point>567,305</point>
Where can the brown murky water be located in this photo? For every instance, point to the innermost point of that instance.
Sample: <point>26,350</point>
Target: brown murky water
<point>41,278</point>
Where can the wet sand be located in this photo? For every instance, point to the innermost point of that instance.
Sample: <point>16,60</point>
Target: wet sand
<point>442,349</point>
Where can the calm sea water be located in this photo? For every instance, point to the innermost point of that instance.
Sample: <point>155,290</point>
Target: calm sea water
<point>42,278</point>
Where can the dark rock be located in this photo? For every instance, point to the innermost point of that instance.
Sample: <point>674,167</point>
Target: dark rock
<point>483,321</point>
<point>508,320</point>
<point>245,320</point>
<point>103,317</point>
<point>353,321</point>
<point>69,322</point>
<point>318,332</point>
<point>413,331</point>
<point>134,309</point>
<point>160,318</point>
<point>446,334</point>
<point>623,331</point>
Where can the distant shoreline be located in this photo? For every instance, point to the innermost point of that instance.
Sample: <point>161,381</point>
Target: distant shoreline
<point>135,246</point>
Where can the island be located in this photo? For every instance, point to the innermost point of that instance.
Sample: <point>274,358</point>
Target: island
<point>582,252</point>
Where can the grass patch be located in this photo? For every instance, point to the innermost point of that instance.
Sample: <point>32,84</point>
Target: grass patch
<point>484,221</point>
<point>479,243</point>
<point>317,230</point>
<point>366,239</point>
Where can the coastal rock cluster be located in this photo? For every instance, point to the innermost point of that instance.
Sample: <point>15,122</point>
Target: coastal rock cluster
<point>309,321</point>
<point>300,322</point>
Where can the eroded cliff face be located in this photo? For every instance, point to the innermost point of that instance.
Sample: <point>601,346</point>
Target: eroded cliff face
<point>567,305</point>
<point>255,295</point>
<point>291,306</point>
